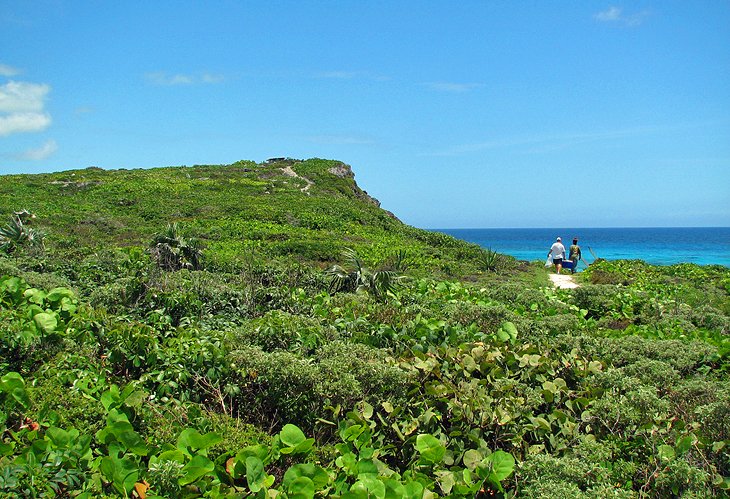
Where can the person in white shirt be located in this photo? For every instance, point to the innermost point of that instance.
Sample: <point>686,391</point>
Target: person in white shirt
<point>558,252</point>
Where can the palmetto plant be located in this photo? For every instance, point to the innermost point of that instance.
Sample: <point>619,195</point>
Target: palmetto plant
<point>17,234</point>
<point>355,277</point>
<point>489,260</point>
<point>172,251</point>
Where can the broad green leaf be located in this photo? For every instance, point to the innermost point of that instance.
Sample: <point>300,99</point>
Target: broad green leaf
<point>60,438</point>
<point>430,448</point>
<point>34,295</point>
<point>132,441</point>
<point>372,486</point>
<point>197,467</point>
<point>291,435</point>
<point>684,444</point>
<point>446,481</point>
<point>501,463</point>
<point>6,448</point>
<point>413,490</point>
<point>366,468</point>
<point>122,473</point>
<point>11,381</point>
<point>57,294</point>
<point>190,438</point>
<point>666,452</point>
<point>135,399</point>
<point>472,458</point>
<point>255,474</point>
<point>301,488</point>
<point>316,474</point>
<point>169,455</point>
<point>46,322</point>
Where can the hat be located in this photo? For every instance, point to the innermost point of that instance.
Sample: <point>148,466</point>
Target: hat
<point>558,239</point>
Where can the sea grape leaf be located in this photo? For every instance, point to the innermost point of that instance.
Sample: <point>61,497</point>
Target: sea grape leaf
<point>316,474</point>
<point>46,322</point>
<point>430,448</point>
<point>197,467</point>
<point>291,435</point>
<point>301,488</point>
<point>501,463</point>
<point>190,438</point>
<point>255,474</point>
<point>472,458</point>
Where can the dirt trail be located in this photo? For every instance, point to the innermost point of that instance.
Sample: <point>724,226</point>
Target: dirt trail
<point>289,171</point>
<point>563,281</point>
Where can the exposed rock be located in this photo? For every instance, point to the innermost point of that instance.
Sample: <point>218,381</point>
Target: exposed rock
<point>342,171</point>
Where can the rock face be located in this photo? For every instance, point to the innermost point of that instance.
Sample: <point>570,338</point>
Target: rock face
<point>342,171</point>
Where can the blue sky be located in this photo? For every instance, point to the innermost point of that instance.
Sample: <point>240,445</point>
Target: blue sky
<point>452,114</point>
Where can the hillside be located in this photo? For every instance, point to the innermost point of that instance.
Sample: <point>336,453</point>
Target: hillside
<point>307,210</point>
<point>288,338</point>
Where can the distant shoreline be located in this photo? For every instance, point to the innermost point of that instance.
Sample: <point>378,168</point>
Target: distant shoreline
<point>654,245</point>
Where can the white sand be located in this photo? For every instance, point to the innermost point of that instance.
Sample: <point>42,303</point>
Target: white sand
<point>563,281</point>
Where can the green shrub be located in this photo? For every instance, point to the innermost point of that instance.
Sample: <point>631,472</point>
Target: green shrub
<point>598,300</point>
<point>377,374</point>
<point>684,357</point>
<point>278,330</point>
<point>579,473</point>
<point>678,478</point>
<point>653,373</point>
<point>73,408</point>
<point>283,387</point>
<point>487,317</point>
<point>623,413</point>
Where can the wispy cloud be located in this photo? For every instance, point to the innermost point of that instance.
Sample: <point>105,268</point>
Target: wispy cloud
<point>40,153</point>
<point>617,16</point>
<point>166,79</point>
<point>445,86</point>
<point>6,70</point>
<point>350,75</point>
<point>22,107</point>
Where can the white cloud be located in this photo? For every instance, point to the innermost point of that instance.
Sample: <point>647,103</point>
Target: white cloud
<point>41,152</point>
<point>610,14</point>
<point>616,15</point>
<point>165,79</point>
<point>18,96</point>
<point>445,86</point>
<point>6,70</point>
<point>23,122</point>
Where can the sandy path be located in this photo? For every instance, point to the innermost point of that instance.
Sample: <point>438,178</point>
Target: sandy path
<point>289,171</point>
<point>563,281</point>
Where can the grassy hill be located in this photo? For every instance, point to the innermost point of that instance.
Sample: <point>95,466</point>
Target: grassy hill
<point>245,353</point>
<point>307,210</point>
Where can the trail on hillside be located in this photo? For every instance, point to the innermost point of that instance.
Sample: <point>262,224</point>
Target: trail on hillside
<point>563,281</point>
<point>288,170</point>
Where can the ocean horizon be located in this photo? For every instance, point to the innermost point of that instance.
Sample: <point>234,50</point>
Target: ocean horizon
<point>654,245</point>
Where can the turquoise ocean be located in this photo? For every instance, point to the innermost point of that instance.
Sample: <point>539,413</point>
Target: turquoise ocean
<point>658,246</point>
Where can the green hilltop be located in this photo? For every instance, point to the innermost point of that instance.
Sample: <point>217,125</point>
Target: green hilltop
<point>308,211</point>
<point>269,331</point>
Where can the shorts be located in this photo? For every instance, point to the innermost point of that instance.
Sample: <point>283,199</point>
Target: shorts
<point>557,261</point>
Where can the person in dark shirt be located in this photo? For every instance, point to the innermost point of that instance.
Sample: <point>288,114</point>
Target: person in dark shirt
<point>575,255</point>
